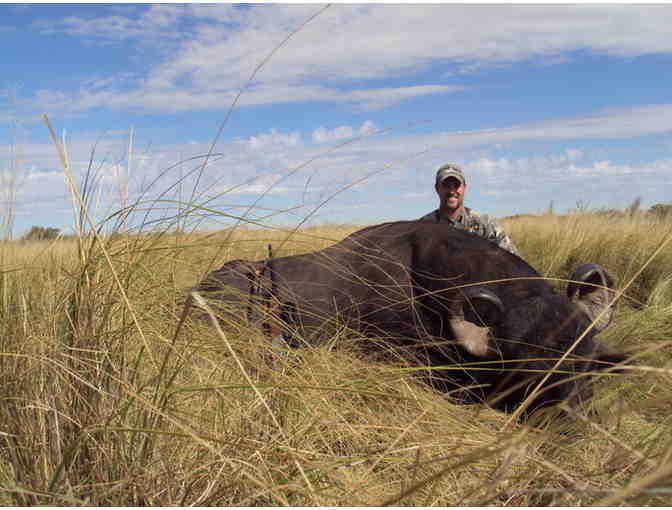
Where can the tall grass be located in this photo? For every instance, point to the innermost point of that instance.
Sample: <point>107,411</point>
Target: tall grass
<point>622,244</point>
<point>102,403</point>
<point>109,396</point>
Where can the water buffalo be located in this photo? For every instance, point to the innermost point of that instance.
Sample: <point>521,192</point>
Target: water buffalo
<point>480,317</point>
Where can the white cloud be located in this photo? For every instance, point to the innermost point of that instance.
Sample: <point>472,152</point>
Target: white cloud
<point>270,184</point>
<point>376,41</point>
<point>172,99</point>
<point>490,167</point>
<point>323,135</point>
<point>208,52</point>
<point>625,123</point>
<point>557,168</point>
<point>458,146</point>
<point>397,35</point>
<point>127,22</point>
<point>376,99</point>
<point>273,139</point>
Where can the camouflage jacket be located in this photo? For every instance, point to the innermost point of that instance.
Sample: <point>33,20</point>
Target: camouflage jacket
<point>480,224</point>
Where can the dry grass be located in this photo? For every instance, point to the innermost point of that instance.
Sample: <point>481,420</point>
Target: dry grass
<point>556,244</point>
<point>102,404</point>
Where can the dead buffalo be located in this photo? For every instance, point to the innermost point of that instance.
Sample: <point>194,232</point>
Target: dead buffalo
<point>479,317</point>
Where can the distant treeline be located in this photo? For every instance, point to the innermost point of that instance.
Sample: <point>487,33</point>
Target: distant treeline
<point>662,211</point>
<point>37,233</point>
<point>657,211</point>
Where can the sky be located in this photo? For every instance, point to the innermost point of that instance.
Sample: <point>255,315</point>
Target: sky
<point>290,114</point>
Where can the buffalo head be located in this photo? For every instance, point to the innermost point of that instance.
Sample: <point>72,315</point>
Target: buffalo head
<point>548,336</point>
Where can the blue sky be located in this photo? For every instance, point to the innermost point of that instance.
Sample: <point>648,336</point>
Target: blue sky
<point>348,119</point>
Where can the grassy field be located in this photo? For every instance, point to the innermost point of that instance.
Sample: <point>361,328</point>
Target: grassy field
<point>104,402</point>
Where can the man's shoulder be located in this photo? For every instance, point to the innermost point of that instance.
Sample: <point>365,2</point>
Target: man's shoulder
<point>472,217</point>
<point>432,216</point>
<point>477,217</point>
<point>486,224</point>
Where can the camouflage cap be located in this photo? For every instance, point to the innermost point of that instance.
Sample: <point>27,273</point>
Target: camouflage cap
<point>450,170</point>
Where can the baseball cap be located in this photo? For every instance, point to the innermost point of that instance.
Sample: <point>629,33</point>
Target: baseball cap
<point>450,170</point>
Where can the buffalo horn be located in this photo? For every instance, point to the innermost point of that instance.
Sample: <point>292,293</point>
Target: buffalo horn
<point>594,297</point>
<point>474,338</point>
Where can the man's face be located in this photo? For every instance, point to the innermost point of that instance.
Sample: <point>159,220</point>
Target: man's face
<point>451,193</point>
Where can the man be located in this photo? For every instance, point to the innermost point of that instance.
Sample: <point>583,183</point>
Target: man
<point>451,187</point>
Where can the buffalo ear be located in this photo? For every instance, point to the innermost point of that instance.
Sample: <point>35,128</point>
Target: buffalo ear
<point>606,358</point>
<point>471,318</point>
<point>591,288</point>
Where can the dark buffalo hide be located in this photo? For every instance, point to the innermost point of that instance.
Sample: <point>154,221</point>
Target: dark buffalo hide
<point>481,318</point>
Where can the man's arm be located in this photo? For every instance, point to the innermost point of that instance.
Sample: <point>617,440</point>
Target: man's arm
<point>504,241</point>
<point>495,233</point>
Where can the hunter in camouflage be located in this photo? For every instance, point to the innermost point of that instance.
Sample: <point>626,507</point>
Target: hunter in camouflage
<point>451,187</point>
